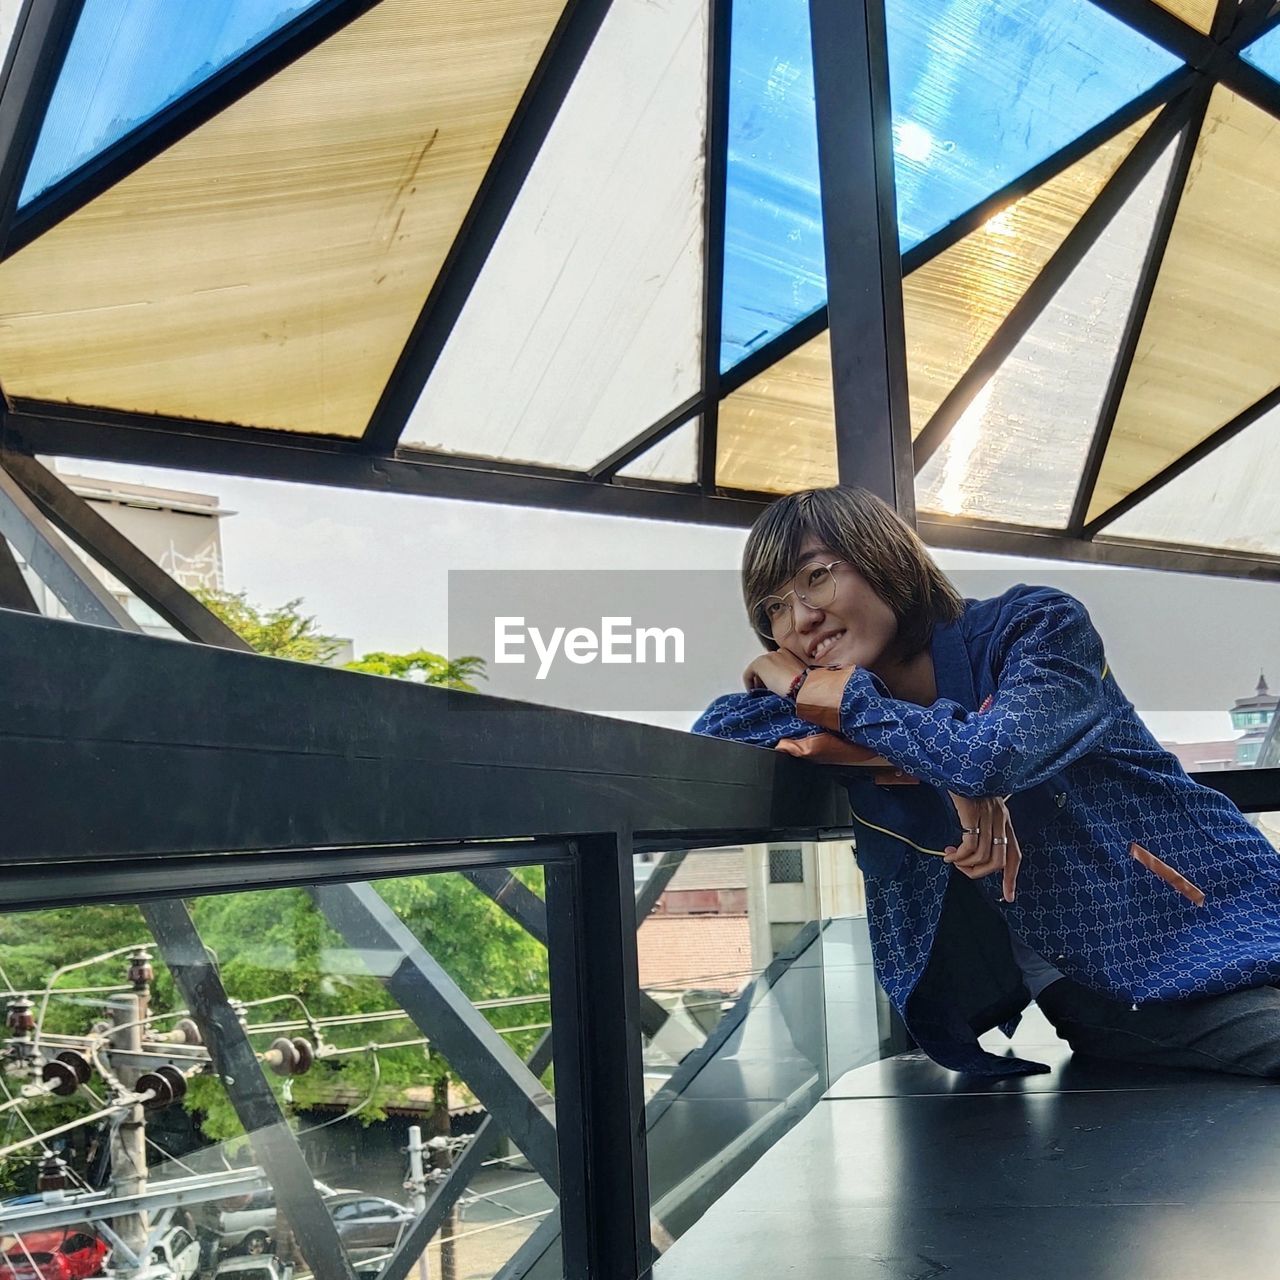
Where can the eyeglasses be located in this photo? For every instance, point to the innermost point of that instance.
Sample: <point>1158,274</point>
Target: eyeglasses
<point>814,585</point>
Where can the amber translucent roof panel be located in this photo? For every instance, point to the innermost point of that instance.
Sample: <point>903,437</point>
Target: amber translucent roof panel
<point>267,268</point>
<point>1195,13</point>
<point>956,302</point>
<point>777,433</point>
<point>1018,451</point>
<point>1210,345</point>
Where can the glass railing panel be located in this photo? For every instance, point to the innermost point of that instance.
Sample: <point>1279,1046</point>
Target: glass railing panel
<point>249,1085</point>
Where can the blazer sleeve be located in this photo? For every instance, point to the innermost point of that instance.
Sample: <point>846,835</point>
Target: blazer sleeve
<point>758,718</point>
<point>1050,706</point>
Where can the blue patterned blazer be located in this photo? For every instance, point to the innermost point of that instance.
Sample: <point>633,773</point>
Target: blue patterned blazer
<point>1087,781</point>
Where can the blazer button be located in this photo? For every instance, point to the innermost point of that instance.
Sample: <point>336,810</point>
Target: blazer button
<point>1062,799</point>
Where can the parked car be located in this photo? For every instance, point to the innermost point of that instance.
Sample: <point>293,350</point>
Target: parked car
<point>251,1226</point>
<point>267,1268</point>
<point>177,1254</point>
<point>365,1221</point>
<point>62,1253</point>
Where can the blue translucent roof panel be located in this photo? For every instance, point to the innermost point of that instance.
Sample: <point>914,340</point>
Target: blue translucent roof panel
<point>982,91</point>
<point>1264,53</point>
<point>128,60</point>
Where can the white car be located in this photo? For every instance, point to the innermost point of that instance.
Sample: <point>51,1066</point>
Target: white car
<point>251,1269</point>
<point>175,1256</point>
<point>178,1251</point>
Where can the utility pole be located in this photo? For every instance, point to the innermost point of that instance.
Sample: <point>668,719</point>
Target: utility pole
<point>129,1137</point>
<point>418,1186</point>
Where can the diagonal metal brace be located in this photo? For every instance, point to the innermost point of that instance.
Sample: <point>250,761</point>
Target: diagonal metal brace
<point>508,1090</point>
<point>102,540</point>
<point>456,1182</point>
<point>528,910</point>
<point>14,591</point>
<point>274,1146</point>
<point>84,597</point>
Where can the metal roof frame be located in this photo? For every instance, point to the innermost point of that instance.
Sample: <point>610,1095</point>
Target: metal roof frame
<point>378,461</point>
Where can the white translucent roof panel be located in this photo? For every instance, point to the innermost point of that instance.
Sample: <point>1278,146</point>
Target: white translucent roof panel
<point>1227,499</point>
<point>584,327</point>
<point>1018,451</point>
<point>8,19</point>
<point>675,458</point>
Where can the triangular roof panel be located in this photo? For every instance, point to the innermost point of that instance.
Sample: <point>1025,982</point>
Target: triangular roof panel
<point>585,324</point>
<point>126,62</point>
<point>982,92</point>
<point>1209,342</point>
<point>268,268</point>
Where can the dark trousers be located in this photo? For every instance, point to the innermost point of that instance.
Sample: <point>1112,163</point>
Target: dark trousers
<point>1237,1033</point>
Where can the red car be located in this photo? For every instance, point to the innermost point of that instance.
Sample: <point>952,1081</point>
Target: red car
<point>66,1253</point>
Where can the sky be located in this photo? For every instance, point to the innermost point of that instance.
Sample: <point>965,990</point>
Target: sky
<point>374,567</point>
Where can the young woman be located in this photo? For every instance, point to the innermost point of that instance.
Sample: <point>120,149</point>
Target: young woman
<point>1025,836</point>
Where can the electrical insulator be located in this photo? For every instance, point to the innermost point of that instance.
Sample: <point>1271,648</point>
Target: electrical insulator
<point>282,1057</point>
<point>190,1032</point>
<point>19,1018</point>
<point>306,1055</point>
<point>78,1063</point>
<point>140,972</point>
<point>61,1076</point>
<point>52,1175</point>
<point>160,1088</point>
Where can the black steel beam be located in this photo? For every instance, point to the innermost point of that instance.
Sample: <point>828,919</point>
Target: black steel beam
<point>36,885</point>
<point>54,429</point>
<point>1145,289</point>
<point>117,719</point>
<point>511,164</point>
<point>234,1061</point>
<point>37,50</point>
<point>530,912</point>
<point>514,897</point>
<point>715,196</point>
<point>39,427</point>
<point>810,326</point>
<point>315,24</point>
<point>604,1172</point>
<point>111,549</point>
<point>14,591</point>
<point>864,266</point>
<point>1250,790</point>
<point>1056,544</point>
<point>457,1030</point>
<point>1249,82</point>
<point>1080,239</point>
<point>1158,24</point>
<point>659,878</point>
<point>68,577</point>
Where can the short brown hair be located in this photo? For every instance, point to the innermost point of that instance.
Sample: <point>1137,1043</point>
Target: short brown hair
<point>867,533</point>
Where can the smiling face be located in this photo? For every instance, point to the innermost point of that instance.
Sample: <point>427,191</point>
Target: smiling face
<point>857,628</point>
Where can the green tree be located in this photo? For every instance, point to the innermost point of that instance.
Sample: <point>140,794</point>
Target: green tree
<point>424,667</point>
<point>282,632</point>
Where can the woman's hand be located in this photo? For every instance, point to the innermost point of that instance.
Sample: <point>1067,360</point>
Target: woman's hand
<point>773,671</point>
<point>989,842</point>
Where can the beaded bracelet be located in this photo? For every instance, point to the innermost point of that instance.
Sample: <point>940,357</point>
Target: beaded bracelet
<point>794,692</point>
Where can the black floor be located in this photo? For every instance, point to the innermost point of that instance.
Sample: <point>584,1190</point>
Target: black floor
<point>906,1172</point>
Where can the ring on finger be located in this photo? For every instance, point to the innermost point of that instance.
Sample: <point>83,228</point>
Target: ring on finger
<point>1000,840</point>
<point>972,831</point>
